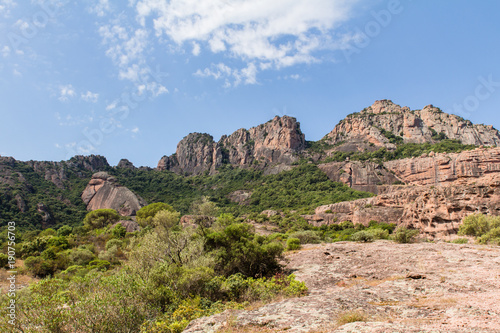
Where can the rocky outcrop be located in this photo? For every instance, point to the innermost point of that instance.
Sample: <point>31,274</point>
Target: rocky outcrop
<point>435,210</point>
<point>125,164</point>
<point>103,192</point>
<point>240,196</point>
<point>44,211</point>
<point>411,288</point>
<point>371,128</point>
<point>443,168</point>
<point>57,172</point>
<point>273,143</point>
<point>362,176</point>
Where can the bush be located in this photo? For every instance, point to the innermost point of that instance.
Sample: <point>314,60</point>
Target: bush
<point>145,214</point>
<point>474,225</point>
<point>100,218</point>
<point>404,235</point>
<point>65,230</point>
<point>378,233</point>
<point>81,256</point>
<point>492,236</point>
<point>362,236</point>
<point>238,250</point>
<point>306,236</point>
<point>118,231</point>
<point>4,260</point>
<point>113,242</point>
<point>460,241</point>
<point>292,244</point>
<point>40,267</point>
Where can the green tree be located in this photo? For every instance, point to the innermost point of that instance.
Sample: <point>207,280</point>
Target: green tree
<point>145,214</point>
<point>100,218</point>
<point>238,250</point>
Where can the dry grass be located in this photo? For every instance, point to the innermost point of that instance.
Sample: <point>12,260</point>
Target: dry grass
<point>351,317</point>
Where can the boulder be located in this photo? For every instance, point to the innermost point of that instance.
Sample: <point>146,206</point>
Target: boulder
<point>103,192</point>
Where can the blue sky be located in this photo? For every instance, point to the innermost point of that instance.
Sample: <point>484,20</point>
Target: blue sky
<point>131,79</point>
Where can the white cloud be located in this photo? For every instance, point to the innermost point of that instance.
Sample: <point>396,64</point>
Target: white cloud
<point>263,34</point>
<point>5,51</point>
<point>196,49</point>
<point>232,77</point>
<point>90,97</point>
<point>6,6</point>
<point>17,73</point>
<point>135,130</point>
<point>111,106</point>
<point>100,8</point>
<point>66,92</point>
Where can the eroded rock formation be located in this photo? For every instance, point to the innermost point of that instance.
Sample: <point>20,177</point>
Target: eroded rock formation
<point>103,192</point>
<point>364,130</point>
<point>436,210</point>
<point>362,176</point>
<point>443,168</point>
<point>273,143</point>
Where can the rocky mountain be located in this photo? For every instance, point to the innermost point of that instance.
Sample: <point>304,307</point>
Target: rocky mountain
<point>103,191</point>
<point>371,150</point>
<point>385,124</point>
<point>276,142</point>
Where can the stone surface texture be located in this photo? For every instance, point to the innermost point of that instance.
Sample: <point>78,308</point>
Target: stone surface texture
<point>103,192</point>
<point>423,287</point>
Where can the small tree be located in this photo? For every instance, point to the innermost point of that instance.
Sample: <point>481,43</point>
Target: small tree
<point>100,218</point>
<point>145,214</point>
<point>204,207</point>
<point>404,235</point>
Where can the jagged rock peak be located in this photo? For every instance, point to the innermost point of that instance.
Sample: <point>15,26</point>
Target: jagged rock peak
<point>274,142</point>
<point>125,164</point>
<point>385,106</point>
<point>384,124</point>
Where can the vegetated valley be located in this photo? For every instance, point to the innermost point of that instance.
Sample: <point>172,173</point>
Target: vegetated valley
<point>210,230</point>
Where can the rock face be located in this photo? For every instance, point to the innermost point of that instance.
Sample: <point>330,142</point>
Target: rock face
<point>363,130</point>
<point>414,288</point>
<point>435,210</point>
<point>362,176</point>
<point>125,164</point>
<point>103,192</point>
<point>57,172</point>
<point>447,168</point>
<point>275,142</point>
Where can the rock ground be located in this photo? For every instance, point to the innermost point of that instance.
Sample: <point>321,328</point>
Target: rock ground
<point>423,287</point>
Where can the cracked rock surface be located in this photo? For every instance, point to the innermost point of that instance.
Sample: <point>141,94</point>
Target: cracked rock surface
<point>423,287</point>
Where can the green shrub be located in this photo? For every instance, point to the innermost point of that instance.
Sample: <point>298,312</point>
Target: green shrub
<point>4,260</point>
<point>492,236</point>
<point>81,256</point>
<point>100,218</point>
<point>292,244</point>
<point>65,230</point>
<point>146,213</point>
<point>378,233</point>
<point>460,241</point>
<point>404,235</point>
<point>118,231</point>
<point>474,225</point>
<point>362,236</point>
<point>238,250</point>
<point>113,242</point>
<point>100,265</point>
<point>40,267</point>
<point>306,236</point>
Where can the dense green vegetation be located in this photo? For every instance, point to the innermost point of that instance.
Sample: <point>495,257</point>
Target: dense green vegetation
<point>485,228</point>
<point>155,280</point>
